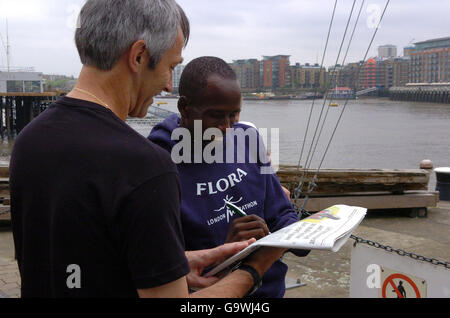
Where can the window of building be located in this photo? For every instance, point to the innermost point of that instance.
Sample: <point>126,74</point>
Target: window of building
<point>14,86</point>
<point>32,86</point>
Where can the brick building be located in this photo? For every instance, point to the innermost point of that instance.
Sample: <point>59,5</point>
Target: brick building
<point>430,61</point>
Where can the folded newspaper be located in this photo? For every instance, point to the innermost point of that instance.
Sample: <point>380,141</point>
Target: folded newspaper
<point>326,230</point>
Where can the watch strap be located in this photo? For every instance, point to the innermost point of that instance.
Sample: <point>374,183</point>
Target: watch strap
<point>256,277</point>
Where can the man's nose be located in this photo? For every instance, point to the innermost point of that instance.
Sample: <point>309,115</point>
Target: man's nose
<point>169,87</point>
<point>169,84</point>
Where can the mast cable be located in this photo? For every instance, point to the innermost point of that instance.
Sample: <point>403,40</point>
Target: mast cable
<point>343,63</point>
<point>316,90</point>
<point>359,69</point>
<point>312,184</point>
<point>298,190</point>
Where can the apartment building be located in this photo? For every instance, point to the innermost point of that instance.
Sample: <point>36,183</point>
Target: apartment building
<point>247,72</point>
<point>430,61</point>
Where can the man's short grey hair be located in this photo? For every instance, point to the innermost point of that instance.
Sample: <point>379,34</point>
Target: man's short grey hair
<point>108,28</point>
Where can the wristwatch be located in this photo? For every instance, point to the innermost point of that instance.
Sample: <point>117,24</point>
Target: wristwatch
<point>257,282</point>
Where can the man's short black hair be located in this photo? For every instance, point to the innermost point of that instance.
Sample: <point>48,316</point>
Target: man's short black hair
<point>196,73</point>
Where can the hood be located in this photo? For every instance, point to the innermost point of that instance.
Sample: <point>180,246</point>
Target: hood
<point>161,133</point>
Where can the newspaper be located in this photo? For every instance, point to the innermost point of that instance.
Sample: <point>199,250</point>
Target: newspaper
<point>326,230</point>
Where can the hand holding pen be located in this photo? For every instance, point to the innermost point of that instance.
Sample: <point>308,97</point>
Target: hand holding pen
<point>246,226</point>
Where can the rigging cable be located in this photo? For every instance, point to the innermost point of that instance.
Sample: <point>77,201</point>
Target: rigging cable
<point>312,183</point>
<point>316,90</point>
<point>298,190</point>
<point>346,101</point>
<point>343,63</point>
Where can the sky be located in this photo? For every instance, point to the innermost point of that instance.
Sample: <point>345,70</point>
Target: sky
<point>41,31</point>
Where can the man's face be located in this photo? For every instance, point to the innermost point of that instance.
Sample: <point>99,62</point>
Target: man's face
<point>158,79</point>
<point>219,107</point>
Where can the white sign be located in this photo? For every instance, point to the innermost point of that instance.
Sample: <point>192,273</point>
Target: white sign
<point>378,273</point>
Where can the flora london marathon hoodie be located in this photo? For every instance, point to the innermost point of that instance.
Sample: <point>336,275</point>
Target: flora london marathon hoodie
<point>208,183</point>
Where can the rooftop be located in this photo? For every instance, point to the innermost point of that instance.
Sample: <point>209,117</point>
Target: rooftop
<point>434,40</point>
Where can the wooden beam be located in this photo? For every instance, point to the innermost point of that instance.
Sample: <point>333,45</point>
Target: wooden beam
<point>5,214</point>
<point>419,199</point>
<point>4,172</point>
<point>338,181</point>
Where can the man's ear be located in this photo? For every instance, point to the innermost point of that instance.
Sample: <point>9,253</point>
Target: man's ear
<point>138,56</point>
<point>183,107</point>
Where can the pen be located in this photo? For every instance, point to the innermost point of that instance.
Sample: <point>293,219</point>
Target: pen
<point>235,209</point>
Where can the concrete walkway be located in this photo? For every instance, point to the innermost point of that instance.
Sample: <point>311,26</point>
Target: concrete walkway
<point>326,274</point>
<point>9,273</point>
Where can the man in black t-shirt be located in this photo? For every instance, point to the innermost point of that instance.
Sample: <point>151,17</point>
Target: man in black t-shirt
<point>95,205</point>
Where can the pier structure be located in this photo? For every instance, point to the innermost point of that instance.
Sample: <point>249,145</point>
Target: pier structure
<point>18,109</point>
<point>374,189</point>
<point>422,92</point>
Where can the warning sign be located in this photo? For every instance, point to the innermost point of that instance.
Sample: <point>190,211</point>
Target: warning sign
<point>399,285</point>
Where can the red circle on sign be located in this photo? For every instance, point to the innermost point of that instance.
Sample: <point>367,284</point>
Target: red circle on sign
<point>391,278</point>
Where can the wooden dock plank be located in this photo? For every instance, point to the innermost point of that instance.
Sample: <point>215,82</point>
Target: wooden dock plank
<point>338,181</point>
<point>419,199</point>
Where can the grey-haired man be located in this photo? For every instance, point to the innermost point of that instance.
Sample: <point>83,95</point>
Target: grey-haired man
<point>95,206</point>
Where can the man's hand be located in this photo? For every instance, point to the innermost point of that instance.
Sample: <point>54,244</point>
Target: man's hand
<point>246,227</point>
<point>198,260</point>
<point>263,258</point>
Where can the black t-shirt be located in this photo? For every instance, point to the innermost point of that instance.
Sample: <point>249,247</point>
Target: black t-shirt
<point>94,205</point>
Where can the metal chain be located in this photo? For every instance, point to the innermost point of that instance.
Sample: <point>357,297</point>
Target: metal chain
<point>400,252</point>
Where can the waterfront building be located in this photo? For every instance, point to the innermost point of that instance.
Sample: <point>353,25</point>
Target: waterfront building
<point>387,51</point>
<point>384,73</point>
<point>21,81</point>
<point>430,61</point>
<point>347,76</point>
<point>392,72</point>
<point>400,71</point>
<point>368,74</point>
<point>247,72</point>
<point>376,72</point>
<point>307,76</point>
<point>333,75</point>
<point>407,50</point>
<point>273,71</point>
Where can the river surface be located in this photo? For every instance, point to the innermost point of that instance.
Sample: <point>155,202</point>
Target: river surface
<point>373,133</point>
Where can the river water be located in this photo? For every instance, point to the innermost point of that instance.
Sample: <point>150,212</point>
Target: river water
<point>372,134</point>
